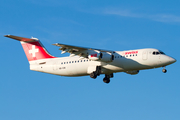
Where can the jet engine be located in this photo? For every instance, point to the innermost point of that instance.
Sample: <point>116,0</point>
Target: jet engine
<point>107,57</point>
<point>134,72</point>
<point>101,56</point>
<point>94,56</point>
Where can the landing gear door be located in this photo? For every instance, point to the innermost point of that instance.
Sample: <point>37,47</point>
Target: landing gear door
<point>145,55</point>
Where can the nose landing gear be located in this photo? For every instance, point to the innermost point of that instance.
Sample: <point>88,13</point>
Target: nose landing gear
<point>164,70</point>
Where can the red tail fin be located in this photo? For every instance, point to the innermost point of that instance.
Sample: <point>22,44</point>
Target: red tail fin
<point>33,48</point>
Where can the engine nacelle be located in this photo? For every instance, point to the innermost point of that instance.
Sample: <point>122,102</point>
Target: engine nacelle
<point>134,72</point>
<point>106,57</point>
<point>101,56</point>
<point>95,56</point>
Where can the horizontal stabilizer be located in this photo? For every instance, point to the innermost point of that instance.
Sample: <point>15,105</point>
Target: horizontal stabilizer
<point>21,38</point>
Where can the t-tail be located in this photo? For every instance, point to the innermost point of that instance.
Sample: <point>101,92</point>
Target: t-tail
<point>33,48</point>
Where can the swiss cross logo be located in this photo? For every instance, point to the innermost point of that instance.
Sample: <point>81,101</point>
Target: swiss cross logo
<point>33,51</point>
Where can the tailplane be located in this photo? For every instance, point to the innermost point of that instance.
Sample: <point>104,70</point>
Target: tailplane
<point>33,48</point>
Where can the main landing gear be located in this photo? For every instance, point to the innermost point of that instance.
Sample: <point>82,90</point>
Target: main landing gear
<point>164,70</point>
<point>96,73</point>
<point>107,78</point>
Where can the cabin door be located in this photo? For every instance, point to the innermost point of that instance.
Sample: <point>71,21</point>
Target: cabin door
<point>145,55</point>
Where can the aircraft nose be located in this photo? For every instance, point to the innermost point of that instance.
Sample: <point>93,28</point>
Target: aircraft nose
<point>172,60</point>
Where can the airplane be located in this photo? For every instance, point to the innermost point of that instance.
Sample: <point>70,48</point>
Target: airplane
<point>90,61</point>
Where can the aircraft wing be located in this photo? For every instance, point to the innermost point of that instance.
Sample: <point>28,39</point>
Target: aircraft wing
<point>81,51</point>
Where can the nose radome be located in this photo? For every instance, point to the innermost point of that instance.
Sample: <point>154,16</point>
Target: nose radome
<point>172,60</point>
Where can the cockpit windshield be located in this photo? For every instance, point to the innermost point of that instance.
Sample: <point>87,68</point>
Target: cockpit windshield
<point>162,52</point>
<point>158,52</point>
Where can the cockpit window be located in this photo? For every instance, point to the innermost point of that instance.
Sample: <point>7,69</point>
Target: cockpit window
<point>155,53</point>
<point>158,52</point>
<point>162,52</point>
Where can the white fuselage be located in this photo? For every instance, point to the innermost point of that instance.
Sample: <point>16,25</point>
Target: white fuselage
<point>91,61</point>
<point>123,61</point>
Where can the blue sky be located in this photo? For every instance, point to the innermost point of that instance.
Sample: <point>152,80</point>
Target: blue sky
<point>112,25</point>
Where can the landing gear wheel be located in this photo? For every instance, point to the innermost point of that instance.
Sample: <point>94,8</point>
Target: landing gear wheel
<point>106,80</point>
<point>164,70</point>
<point>93,75</point>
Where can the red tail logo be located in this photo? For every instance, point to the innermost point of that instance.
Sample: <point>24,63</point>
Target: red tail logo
<point>33,48</point>
<point>35,51</point>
